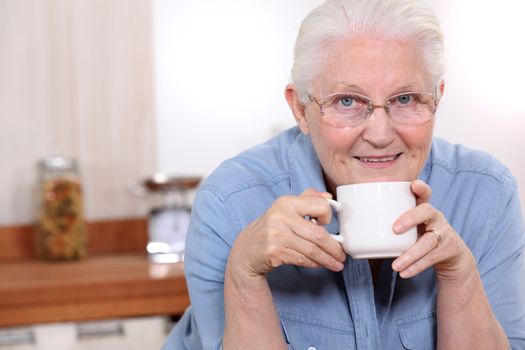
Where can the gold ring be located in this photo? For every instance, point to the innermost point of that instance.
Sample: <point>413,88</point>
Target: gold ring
<point>437,235</point>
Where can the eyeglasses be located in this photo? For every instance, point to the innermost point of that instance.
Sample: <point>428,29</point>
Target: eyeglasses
<point>351,109</point>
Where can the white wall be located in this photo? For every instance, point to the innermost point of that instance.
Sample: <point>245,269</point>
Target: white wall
<point>222,67</point>
<point>221,71</point>
<point>483,103</point>
<point>76,80</point>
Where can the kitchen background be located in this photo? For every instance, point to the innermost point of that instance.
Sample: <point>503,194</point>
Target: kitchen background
<point>132,87</point>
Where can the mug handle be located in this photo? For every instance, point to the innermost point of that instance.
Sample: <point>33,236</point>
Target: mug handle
<point>337,207</point>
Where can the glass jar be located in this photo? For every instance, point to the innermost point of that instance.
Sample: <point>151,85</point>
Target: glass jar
<point>60,229</point>
<point>169,215</point>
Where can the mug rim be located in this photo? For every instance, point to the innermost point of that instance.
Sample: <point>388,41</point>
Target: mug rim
<point>375,183</point>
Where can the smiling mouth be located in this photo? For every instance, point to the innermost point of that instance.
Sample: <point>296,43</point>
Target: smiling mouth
<point>379,159</point>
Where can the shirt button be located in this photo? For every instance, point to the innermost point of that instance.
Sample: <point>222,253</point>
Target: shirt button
<point>311,348</point>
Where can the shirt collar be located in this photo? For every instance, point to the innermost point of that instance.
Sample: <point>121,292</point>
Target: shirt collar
<point>306,172</point>
<point>425,173</point>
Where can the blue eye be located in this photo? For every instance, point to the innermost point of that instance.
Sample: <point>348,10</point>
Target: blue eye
<point>346,101</point>
<point>404,99</point>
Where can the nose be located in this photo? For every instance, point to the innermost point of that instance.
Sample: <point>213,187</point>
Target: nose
<point>379,128</point>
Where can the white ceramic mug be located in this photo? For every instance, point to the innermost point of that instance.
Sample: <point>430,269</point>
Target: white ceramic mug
<point>367,213</point>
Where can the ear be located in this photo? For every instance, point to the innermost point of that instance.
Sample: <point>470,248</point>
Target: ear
<point>298,108</point>
<point>441,88</point>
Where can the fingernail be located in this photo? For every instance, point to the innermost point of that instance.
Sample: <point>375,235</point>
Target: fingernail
<point>395,265</point>
<point>399,264</point>
<point>407,272</point>
<point>398,227</point>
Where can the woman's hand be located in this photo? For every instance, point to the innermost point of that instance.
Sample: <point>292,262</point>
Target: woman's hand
<point>280,236</point>
<point>438,244</point>
<point>283,236</point>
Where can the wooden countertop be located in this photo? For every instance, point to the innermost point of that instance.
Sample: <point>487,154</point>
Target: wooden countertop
<point>98,287</point>
<point>95,288</point>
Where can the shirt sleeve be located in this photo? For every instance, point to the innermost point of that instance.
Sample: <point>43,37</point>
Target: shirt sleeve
<point>210,236</point>
<point>502,265</point>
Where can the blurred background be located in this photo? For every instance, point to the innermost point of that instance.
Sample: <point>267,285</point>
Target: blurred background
<point>133,87</point>
<point>130,88</point>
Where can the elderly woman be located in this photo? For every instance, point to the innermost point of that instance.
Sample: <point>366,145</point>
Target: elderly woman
<point>367,79</point>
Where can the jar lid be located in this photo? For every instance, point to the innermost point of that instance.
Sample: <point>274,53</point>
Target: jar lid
<point>57,164</point>
<point>164,182</point>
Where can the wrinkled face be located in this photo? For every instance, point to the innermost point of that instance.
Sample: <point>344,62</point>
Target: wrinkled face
<point>378,149</point>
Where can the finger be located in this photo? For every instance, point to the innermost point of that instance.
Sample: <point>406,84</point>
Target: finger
<point>303,206</point>
<point>418,257</point>
<point>314,253</point>
<point>323,219</point>
<point>294,223</point>
<point>420,265</point>
<point>423,213</point>
<point>291,256</point>
<point>318,236</point>
<point>422,191</point>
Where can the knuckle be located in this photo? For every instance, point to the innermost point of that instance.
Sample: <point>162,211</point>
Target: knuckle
<point>274,260</point>
<point>427,208</point>
<point>318,234</point>
<point>283,201</point>
<point>301,260</point>
<point>272,251</point>
<point>429,260</point>
<point>273,210</point>
<point>311,250</point>
<point>309,192</point>
<point>273,235</point>
<point>441,216</point>
<point>451,233</point>
<point>274,216</point>
<point>430,240</point>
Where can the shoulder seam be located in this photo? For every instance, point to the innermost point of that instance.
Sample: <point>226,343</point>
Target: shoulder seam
<point>223,195</point>
<point>498,176</point>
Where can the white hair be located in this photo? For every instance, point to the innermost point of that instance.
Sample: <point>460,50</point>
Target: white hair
<point>336,20</point>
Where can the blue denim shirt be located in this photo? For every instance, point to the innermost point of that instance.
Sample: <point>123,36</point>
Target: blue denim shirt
<point>320,309</point>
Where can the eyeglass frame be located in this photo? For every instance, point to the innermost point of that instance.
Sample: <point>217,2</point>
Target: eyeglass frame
<point>371,106</point>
